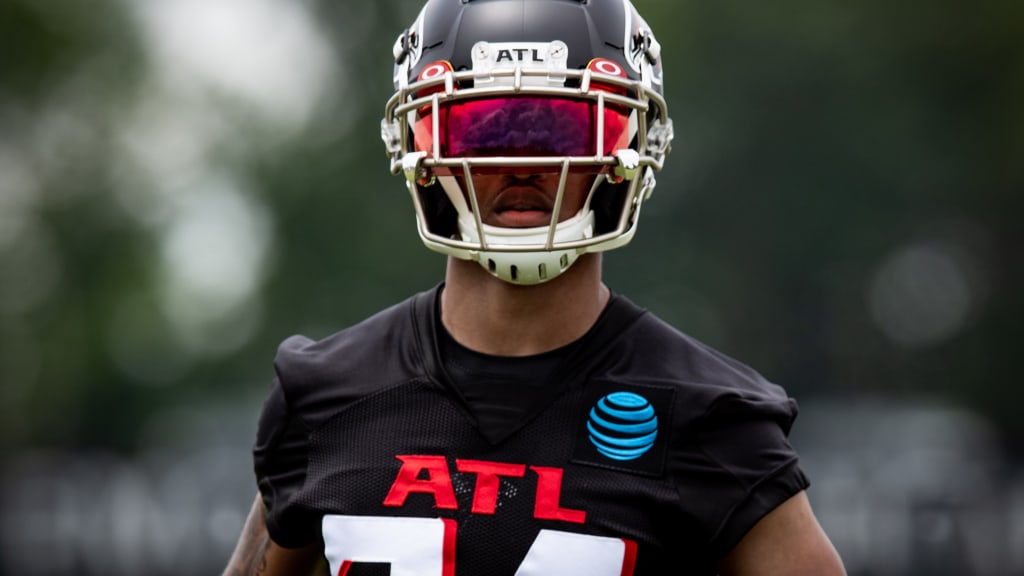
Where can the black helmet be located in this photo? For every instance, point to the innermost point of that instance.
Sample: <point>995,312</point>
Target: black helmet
<point>527,86</point>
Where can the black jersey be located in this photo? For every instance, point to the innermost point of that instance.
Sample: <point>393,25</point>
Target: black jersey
<point>643,450</point>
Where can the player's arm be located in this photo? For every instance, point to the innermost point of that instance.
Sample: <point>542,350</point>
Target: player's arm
<point>788,541</point>
<point>256,553</point>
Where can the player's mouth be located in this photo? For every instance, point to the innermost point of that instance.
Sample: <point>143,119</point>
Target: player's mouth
<point>522,217</point>
<point>526,209</point>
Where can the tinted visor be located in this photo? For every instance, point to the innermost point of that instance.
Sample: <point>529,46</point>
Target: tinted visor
<point>523,126</point>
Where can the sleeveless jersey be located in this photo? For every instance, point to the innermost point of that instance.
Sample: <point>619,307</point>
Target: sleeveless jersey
<point>643,451</point>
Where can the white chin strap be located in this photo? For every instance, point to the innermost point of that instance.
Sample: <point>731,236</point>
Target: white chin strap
<point>508,255</point>
<point>534,266</point>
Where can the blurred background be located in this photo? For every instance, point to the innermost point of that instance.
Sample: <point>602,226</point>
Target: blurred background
<point>184,183</point>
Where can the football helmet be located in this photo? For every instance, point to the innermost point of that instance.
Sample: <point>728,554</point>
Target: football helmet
<point>527,87</point>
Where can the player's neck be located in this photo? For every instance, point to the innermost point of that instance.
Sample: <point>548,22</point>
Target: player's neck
<point>491,316</point>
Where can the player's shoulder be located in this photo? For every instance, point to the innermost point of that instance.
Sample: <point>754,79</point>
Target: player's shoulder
<point>699,384</point>
<point>653,349</point>
<point>362,336</point>
<point>381,348</point>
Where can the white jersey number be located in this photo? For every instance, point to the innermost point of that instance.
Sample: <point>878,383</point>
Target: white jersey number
<point>426,547</point>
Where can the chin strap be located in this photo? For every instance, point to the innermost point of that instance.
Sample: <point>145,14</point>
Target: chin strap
<point>518,266</point>
<point>533,266</point>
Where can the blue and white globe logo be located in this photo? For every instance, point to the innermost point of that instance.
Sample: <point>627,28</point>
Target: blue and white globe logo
<point>622,426</point>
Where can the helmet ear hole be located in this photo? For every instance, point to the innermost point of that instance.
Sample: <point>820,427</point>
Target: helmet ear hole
<point>608,202</point>
<point>439,213</point>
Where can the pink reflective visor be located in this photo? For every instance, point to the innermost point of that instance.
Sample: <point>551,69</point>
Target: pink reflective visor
<point>522,126</point>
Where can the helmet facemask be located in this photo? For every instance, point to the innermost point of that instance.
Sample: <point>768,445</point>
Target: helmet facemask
<point>448,128</point>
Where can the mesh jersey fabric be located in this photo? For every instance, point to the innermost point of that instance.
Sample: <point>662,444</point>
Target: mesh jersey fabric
<point>344,411</point>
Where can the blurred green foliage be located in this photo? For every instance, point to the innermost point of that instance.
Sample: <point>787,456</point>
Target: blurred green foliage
<point>814,142</point>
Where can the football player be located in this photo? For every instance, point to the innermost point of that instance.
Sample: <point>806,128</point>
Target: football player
<point>521,418</point>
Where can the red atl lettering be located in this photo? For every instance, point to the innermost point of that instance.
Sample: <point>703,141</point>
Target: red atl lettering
<point>549,492</point>
<point>488,479</point>
<point>438,482</point>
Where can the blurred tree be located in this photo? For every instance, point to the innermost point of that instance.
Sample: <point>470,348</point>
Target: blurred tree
<point>65,70</point>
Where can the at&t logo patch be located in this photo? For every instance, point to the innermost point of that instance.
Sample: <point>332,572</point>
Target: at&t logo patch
<point>623,425</point>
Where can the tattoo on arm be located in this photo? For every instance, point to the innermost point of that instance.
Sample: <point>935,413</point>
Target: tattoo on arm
<point>257,555</point>
<point>250,555</point>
